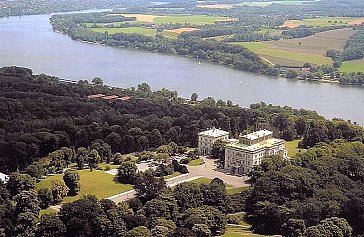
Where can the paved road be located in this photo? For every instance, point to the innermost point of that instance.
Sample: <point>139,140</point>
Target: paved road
<point>208,170</point>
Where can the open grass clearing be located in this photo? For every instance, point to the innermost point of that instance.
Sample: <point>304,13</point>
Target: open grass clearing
<point>175,174</point>
<point>196,162</point>
<point>47,211</point>
<point>127,30</point>
<point>292,147</point>
<point>323,21</point>
<point>266,49</point>
<point>206,181</point>
<point>236,190</point>
<point>97,183</point>
<point>352,66</point>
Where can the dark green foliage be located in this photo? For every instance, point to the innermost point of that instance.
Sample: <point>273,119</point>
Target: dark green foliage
<point>149,187</point>
<point>20,182</point>
<point>127,172</point>
<point>51,226</point>
<point>45,198</point>
<point>322,183</point>
<point>72,180</point>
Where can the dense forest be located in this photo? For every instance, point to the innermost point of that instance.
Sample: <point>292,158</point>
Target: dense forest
<point>318,194</point>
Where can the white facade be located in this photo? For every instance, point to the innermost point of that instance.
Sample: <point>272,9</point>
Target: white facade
<point>241,156</point>
<point>4,178</point>
<point>207,139</point>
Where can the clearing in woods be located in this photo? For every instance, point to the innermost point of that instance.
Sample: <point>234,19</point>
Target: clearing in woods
<point>296,52</point>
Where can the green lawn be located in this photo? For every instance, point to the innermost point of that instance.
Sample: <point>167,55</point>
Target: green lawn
<point>196,162</point>
<point>97,183</point>
<point>191,19</point>
<point>202,180</point>
<point>47,211</point>
<point>127,30</point>
<point>236,190</point>
<point>292,147</point>
<point>352,66</point>
<point>241,230</point>
<point>103,166</point>
<point>175,174</point>
<point>265,49</point>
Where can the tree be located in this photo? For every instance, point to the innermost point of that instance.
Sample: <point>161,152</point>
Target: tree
<point>335,227</point>
<point>149,187</point>
<point>27,201</point>
<point>59,190</point>
<point>20,182</point>
<point>93,159</point>
<point>26,224</point>
<point>206,215</point>
<point>127,172</point>
<point>159,231</point>
<point>201,230</point>
<point>50,226</point>
<point>194,96</point>
<point>72,180</point>
<point>81,157</point>
<point>188,195</point>
<point>140,231</point>
<point>97,81</point>
<point>45,198</point>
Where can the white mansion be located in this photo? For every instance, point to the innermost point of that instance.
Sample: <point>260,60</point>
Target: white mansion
<point>241,155</point>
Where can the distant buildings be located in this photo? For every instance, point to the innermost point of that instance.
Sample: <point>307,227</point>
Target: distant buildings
<point>241,155</point>
<point>4,178</point>
<point>207,139</point>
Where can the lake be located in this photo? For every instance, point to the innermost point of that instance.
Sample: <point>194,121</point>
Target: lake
<point>30,42</point>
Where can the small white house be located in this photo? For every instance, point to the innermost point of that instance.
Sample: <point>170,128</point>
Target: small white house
<point>3,177</point>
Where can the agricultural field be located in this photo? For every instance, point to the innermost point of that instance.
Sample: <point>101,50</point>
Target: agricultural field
<point>352,66</point>
<point>189,19</point>
<point>267,3</point>
<point>178,19</point>
<point>97,183</point>
<point>324,21</point>
<point>276,55</point>
<point>127,30</point>
<point>217,6</point>
<point>296,52</point>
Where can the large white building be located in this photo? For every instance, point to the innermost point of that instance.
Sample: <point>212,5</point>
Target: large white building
<point>207,139</point>
<point>241,155</point>
<point>3,177</point>
<point>249,151</point>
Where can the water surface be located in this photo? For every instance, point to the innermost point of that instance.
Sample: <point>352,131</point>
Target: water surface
<point>30,42</point>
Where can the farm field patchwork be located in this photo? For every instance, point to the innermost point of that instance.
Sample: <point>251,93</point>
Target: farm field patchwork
<point>267,3</point>
<point>127,30</point>
<point>270,52</point>
<point>189,19</point>
<point>97,183</point>
<point>296,52</point>
<point>352,66</point>
<point>324,21</point>
<point>177,19</point>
